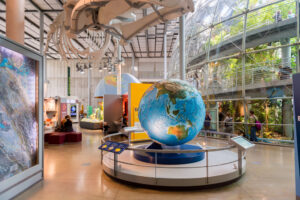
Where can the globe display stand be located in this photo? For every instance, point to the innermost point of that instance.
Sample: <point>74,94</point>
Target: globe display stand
<point>169,158</point>
<point>172,113</point>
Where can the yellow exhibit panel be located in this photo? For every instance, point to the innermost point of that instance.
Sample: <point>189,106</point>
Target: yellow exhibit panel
<point>136,92</point>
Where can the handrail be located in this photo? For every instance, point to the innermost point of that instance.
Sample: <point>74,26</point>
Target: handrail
<point>175,151</point>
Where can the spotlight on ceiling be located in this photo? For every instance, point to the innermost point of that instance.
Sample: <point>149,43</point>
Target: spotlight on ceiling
<point>100,69</point>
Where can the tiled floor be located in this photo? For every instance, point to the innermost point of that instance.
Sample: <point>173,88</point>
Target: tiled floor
<point>73,171</point>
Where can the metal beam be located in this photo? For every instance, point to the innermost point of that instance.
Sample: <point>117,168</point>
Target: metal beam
<point>51,19</point>
<point>146,33</point>
<point>36,11</point>
<point>137,38</point>
<point>171,45</point>
<point>165,52</point>
<point>165,33</point>
<point>26,33</point>
<point>155,39</point>
<point>41,33</point>
<point>132,49</point>
<point>125,51</point>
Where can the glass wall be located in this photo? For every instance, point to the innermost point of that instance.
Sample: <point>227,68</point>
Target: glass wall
<point>241,55</point>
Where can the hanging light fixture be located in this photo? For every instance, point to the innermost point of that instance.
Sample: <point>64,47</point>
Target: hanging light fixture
<point>78,68</point>
<point>105,66</point>
<point>100,68</point>
<point>90,66</point>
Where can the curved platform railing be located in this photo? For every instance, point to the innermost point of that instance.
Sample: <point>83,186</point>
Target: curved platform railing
<point>207,150</point>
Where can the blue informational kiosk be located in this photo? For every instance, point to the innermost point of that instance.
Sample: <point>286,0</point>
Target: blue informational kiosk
<point>296,88</point>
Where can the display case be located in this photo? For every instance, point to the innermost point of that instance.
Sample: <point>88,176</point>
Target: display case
<point>21,118</point>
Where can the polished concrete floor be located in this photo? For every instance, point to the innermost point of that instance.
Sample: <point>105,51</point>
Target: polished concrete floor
<point>73,171</point>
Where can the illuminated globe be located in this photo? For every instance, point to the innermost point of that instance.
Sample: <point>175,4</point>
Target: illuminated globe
<point>172,112</point>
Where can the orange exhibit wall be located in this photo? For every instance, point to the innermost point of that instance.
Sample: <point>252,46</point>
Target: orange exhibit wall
<point>135,94</point>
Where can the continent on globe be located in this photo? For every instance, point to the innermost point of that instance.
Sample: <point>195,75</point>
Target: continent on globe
<point>173,89</point>
<point>180,131</point>
<point>172,112</point>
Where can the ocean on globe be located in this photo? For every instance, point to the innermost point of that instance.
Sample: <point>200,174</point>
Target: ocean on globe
<point>172,112</point>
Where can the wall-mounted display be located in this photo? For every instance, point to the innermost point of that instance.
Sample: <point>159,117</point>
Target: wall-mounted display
<point>18,113</point>
<point>21,118</point>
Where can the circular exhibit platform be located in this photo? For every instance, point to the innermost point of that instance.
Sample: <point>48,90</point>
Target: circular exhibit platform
<point>217,167</point>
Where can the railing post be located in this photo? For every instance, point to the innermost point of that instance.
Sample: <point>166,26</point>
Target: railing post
<point>155,158</point>
<point>101,156</point>
<point>129,138</point>
<point>206,156</point>
<point>101,152</point>
<point>115,164</point>
<point>240,167</point>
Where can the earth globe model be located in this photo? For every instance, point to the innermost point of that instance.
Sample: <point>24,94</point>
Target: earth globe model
<point>172,112</point>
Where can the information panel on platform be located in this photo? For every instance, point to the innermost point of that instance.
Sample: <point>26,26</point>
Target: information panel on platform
<point>242,142</point>
<point>296,89</point>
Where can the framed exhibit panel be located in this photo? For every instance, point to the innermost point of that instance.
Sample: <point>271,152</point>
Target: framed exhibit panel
<point>296,89</point>
<point>21,118</point>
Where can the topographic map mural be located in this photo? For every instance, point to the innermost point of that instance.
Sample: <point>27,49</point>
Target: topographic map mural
<point>18,121</point>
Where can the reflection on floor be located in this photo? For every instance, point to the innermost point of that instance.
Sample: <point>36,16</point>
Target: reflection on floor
<point>73,171</point>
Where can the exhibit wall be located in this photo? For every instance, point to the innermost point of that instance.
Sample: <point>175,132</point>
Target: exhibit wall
<point>136,92</point>
<point>21,117</point>
<point>57,76</point>
<point>241,55</point>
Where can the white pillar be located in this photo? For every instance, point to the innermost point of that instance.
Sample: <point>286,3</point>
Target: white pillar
<point>182,47</point>
<point>15,15</point>
<point>119,72</point>
<point>165,55</point>
<point>89,87</point>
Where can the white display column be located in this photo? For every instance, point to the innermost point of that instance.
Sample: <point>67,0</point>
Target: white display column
<point>119,72</point>
<point>165,52</point>
<point>182,47</point>
<point>15,14</point>
<point>89,87</point>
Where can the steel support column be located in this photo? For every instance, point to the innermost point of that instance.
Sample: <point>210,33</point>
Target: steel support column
<point>119,71</point>
<point>245,105</point>
<point>165,55</point>
<point>89,87</point>
<point>182,47</point>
